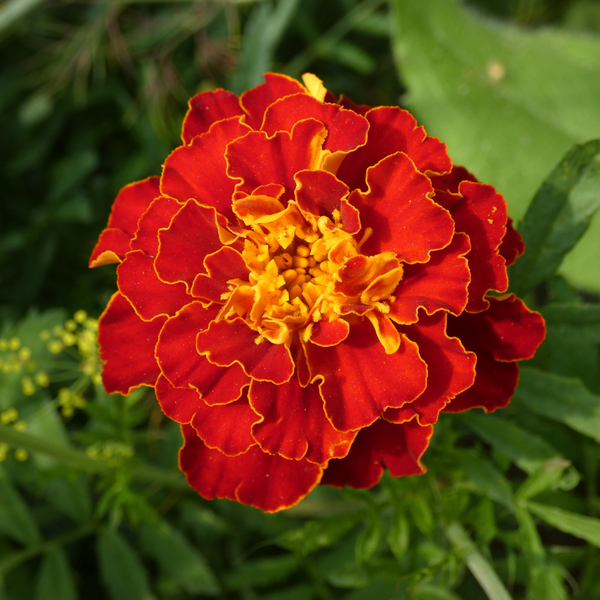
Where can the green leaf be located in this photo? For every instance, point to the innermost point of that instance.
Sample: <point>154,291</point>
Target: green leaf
<point>542,478</point>
<point>16,520</point>
<point>586,528</point>
<point>178,560</point>
<point>508,102</point>
<point>319,534</point>
<point>573,322</point>
<point>558,216</point>
<point>398,536</point>
<point>560,398</point>
<point>55,579</point>
<point>121,570</point>
<point>368,540</point>
<point>526,449</point>
<point>263,572</point>
<point>71,496</point>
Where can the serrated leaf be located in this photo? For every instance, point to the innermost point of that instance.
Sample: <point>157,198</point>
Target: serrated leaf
<point>16,521</point>
<point>178,559</point>
<point>586,528</point>
<point>562,399</point>
<point>319,534</point>
<point>263,572</point>
<point>122,572</point>
<point>558,216</point>
<point>55,580</point>
<point>368,540</point>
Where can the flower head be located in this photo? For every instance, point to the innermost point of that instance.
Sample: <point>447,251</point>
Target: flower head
<point>306,286</point>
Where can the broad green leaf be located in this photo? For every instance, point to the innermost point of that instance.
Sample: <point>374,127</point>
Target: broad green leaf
<point>122,572</point>
<point>16,520</point>
<point>560,398</point>
<point>178,559</point>
<point>573,322</point>
<point>484,520</point>
<point>586,528</point>
<point>319,534</point>
<point>542,478</point>
<point>558,216</point>
<point>434,592</point>
<point>262,572</point>
<point>488,480</point>
<point>55,580</point>
<point>368,540</point>
<point>508,102</point>
<point>398,536</point>
<point>526,449</point>
<point>71,496</point>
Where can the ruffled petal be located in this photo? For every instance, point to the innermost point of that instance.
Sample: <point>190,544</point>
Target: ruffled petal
<point>294,424</point>
<point>207,108</point>
<point>182,365</point>
<point>178,403</point>
<point>512,245</point>
<point>222,266</point>
<point>259,160</point>
<point>256,101</point>
<point>399,210</point>
<point>129,205</point>
<point>361,109</point>
<point>158,216</point>
<point>359,369</point>
<point>329,333</point>
<point>228,342</point>
<point>127,347</point>
<point>149,296</point>
<point>451,370</point>
<point>397,447</point>
<point>439,284</point>
<point>199,171</point>
<point>192,235</point>
<point>393,130</point>
<point>268,482</point>
<point>508,330</point>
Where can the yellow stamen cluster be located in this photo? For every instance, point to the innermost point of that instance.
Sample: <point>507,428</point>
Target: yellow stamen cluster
<point>11,417</point>
<point>69,401</point>
<point>108,450</point>
<point>16,357</point>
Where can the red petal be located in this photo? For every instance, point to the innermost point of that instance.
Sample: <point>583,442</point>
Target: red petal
<point>361,109</point>
<point>191,236</point>
<point>178,403</point>
<point>199,171</point>
<point>222,266</point>
<point>440,284</point>
<point>158,216</point>
<point>182,365</point>
<point>268,482</point>
<point>361,380</point>
<point>127,347</point>
<point>481,214</point>
<point>397,207</point>
<point>229,342</point>
<point>345,129</point>
<point>319,192</point>
<point>256,101</point>
<point>329,333</point>
<point>129,205</point>
<point>207,108</point>
<point>383,444</point>
<point>495,384</point>
<point>450,182</point>
<point>508,330</point>
<point>451,370</point>
<point>294,423</point>
<point>393,130</point>
<point>149,296</point>
<point>512,245</point>
<point>259,160</point>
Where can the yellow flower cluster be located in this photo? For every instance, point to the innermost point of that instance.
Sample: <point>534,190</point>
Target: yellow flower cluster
<point>69,401</point>
<point>108,450</point>
<point>15,358</point>
<point>8,417</point>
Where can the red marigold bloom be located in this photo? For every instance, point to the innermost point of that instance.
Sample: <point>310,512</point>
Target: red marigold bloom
<point>306,287</point>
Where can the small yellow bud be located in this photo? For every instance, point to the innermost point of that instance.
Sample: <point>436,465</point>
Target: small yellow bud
<point>45,335</point>
<point>42,379</point>
<point>80,316</point>
<point>24,354</point>
<point>70,325</point>
<point>67,412</point>
<point>68,339</point>
<point>64,396</point>
<point>14,344</point>
<point>8,416</point>
<point>96,379</point>
<point>28,386</point>
<point>20,426</point>
<point>3,451</point>
<point>55,346</point>
<point>21,454</point>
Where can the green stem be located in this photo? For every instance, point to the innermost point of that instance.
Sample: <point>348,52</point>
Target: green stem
<point>80,460</point>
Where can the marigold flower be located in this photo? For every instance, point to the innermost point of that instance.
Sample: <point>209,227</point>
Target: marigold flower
<point>306,286</point>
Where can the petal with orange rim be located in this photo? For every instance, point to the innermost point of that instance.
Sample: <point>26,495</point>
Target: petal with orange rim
<point>199,171</point>
<point>345,129</point>
<point>228,342</point>
<point>207,108</point>
<point>222,266</point>
<point>361,380</point>
<point>451,370</point>
<point>158,216</point>
<point>450,182</point>
<point>262,480</point>
<point>294,424</point>
<point>329,333</point>
<point>439,284</point>
<point>508,330</point>
<point>398,209</point>
<point>129,205</point>
<point>191,236</point>
<point>259,160</point>
<point>393,130</point>
<point>361,109</point>
<point>256,101</point>
<point>127,347</point>
<point>178,403</point>
<point>512,245</point>
<point>397,447</point>
<point>182,365</point>
<point>149,296</point>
